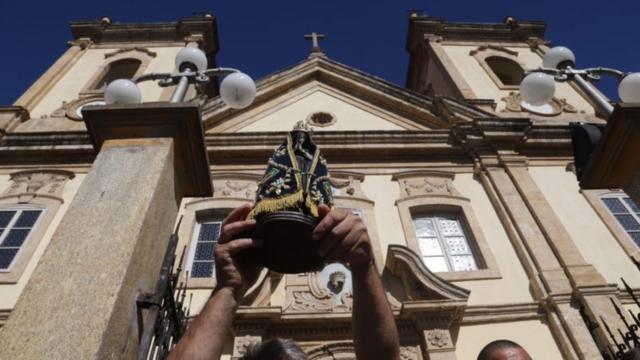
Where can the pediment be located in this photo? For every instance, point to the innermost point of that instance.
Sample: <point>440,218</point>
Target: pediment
<point>357,101</point>
<point>417,283</point>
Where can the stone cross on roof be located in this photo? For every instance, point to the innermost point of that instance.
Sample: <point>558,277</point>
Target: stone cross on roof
<point>316,50</point>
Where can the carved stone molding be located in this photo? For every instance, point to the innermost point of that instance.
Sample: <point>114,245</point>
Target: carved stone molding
<point>503,49</point>
<point>347,184</point>
<point>235,186</point>
<point>513,103</point>
<point>416,183</point>
<point>242,343</point>
<point>83,42</point>
<point>72,110</point>
<point>329,290</point>
<point>30,183</point>
<point>131,48</point>
<point>535,42</point>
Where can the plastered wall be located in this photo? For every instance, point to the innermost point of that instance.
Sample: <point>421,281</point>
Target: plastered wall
<point>349,113</point>
<point>74,80</point>
<point>485,88</point>
<point>595,242</point>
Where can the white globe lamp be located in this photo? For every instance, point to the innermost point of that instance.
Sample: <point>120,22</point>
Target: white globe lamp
<point>537,88</point>
<point>191,58</point>
<point>122,91</point>
<point>559,57</point>
<point>238,90</point>
<point>629,88</point>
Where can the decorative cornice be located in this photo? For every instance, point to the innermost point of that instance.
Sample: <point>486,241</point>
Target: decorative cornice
<point>106,32</point>
<point>520,31</point>
<point>484,136</point>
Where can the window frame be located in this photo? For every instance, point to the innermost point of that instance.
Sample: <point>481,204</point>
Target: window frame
<point>450,204</point>
<point>40,189</point>
<point>194,210</point>
<point>441,238</point>
<point>482,53</point>
<point>594,198</point>
<point>145,58</point>
<point>11,225</point>
<point>49,208</point>
<point>193,243</point>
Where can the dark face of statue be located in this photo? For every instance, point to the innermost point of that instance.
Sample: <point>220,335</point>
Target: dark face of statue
<point>300,138</point>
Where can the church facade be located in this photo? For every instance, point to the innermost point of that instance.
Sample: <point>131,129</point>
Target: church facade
<point>480,230</point>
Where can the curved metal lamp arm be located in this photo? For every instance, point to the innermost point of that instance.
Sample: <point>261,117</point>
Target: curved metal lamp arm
<point>569,72</point>
<point>183,79</point>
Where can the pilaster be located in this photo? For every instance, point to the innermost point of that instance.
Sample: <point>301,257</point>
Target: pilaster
<point>41,87</point>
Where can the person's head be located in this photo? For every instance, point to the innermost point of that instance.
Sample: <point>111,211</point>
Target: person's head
<point>275,349</point>
<point>503,350</point>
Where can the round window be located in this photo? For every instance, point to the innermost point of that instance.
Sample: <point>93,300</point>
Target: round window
<point>321,119</point>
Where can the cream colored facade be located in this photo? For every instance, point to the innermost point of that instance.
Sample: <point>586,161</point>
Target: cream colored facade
<point>545,250</point>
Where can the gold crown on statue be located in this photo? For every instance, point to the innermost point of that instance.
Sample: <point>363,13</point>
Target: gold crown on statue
<point>302,126</point>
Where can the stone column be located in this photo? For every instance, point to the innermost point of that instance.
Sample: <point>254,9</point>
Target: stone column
<point>80,302</point>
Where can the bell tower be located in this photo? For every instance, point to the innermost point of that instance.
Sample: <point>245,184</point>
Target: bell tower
<point>483,64</point>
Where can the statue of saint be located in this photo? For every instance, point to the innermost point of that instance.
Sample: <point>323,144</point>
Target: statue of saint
<point>295,183</point>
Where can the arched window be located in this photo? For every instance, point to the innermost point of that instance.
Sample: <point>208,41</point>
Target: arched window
<point>119,69</point>
<point>508,71</point>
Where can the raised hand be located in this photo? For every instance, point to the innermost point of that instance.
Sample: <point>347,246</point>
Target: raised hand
<point>342,237</point>
<point>234,271</point>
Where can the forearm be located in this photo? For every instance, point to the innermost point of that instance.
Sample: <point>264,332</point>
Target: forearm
<point>205,337</point>
<point>375,335</point>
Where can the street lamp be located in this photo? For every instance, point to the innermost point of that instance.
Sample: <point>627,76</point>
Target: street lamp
<point>237,89</point>
<point>538,87</point>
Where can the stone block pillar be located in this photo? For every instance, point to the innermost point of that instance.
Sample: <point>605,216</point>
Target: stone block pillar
<point>80,302</point>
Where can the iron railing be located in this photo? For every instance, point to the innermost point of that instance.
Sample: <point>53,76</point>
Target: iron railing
<point>162,315</point>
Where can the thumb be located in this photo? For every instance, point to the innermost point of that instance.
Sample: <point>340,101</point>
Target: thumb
<point>323,210</point>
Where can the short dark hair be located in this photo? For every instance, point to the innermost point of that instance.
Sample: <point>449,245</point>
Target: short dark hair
<point>275,349</point>
<point>490,348</point>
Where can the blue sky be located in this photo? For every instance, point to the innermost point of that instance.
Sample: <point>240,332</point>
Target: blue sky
<point>261,37</point>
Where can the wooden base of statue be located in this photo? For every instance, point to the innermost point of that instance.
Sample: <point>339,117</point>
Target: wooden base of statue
<point>288,247</point>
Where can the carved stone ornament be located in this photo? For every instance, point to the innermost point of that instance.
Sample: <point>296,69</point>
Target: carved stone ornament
<point>72,110</point>
<point>329,290</point>
<point>242,343</point>
<point>536,42</point>
<point>503,49</point>
<point>410,353</point>
<point>347,184</point>
<point>438,338</point>
<point>426,183</point>
<point>513,103</point>
<point>38,182</point>
<point>130,48</point>
<point>236,186</point>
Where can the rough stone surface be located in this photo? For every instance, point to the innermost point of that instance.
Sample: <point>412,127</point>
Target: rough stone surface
<point>80,301</point>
